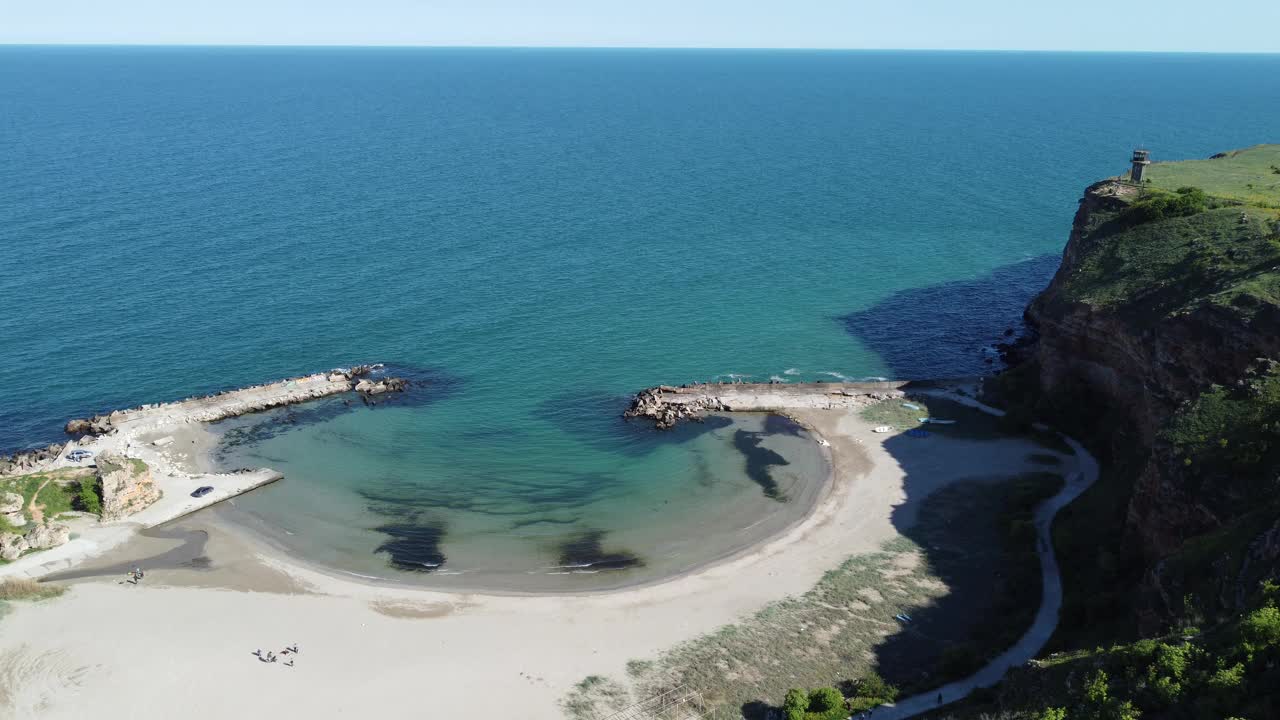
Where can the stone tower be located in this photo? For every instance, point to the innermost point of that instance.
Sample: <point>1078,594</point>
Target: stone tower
<point>1140,163</point>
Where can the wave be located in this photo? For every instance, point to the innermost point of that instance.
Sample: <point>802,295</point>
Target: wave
<point>791,371</point>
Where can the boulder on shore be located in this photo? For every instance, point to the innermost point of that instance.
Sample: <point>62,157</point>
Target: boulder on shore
<point>10,502</point>
<point>12,545</point>
<point>47,535</point>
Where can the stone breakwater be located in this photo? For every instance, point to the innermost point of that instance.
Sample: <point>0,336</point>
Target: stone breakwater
<point>233,403</point>
<point>207,408</point>
<point>668,405</point>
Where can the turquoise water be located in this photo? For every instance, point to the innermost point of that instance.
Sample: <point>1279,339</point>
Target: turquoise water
<point>538,233</point>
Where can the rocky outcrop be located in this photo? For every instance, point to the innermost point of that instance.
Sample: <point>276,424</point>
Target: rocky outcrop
<point>48,535</point>
<point>652,404</point>
<point>40,537</point>
<point>12,546</point>
<point>127,486</point>
<point>11,509</point>
<point>28,461</point>
<point>378,387</point>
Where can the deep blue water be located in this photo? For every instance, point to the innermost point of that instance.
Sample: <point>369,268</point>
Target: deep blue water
<point>547,229</point>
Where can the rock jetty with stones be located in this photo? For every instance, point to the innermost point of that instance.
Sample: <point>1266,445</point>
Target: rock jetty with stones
<point>256,398</point>
<point>668,405</point>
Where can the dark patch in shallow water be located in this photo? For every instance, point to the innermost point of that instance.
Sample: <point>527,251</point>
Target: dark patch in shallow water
<point>595,419</point>
<point>759,460</point>
<point>413,546</point>
<point>781,425</point>
<point>584,551</point>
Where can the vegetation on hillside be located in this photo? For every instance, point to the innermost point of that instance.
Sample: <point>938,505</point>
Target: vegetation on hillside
<point>1170,253</point>
<point>1203,237</point>
<point>1231,671</point>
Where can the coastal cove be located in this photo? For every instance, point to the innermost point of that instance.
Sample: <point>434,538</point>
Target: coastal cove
<point>879,484</point>
<point>712,377</point>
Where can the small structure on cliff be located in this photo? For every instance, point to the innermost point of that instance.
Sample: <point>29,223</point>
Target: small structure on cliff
<point>1141,159</point>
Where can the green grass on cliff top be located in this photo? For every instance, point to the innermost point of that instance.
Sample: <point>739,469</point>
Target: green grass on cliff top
<point>1228,256</point>
<point>1250,175</point>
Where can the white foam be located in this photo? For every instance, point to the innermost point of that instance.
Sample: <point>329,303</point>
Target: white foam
<point>791,371</point>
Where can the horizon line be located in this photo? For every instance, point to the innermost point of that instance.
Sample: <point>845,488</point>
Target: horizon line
<point>780,48</point>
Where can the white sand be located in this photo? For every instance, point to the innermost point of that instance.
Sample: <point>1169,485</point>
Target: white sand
<point>111,650</point>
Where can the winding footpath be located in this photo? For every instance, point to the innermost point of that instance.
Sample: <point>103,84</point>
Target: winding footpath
<point>1034,639</point>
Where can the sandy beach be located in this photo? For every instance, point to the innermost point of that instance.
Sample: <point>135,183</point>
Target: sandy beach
<point>145,651</point>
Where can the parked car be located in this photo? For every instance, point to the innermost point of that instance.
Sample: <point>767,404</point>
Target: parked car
<point>202,491</point>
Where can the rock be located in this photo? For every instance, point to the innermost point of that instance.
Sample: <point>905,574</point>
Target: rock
<point>12,545</point>
<point>15,519</point>
<point>126,487</point>
<point>337,377</point>
<point>96,425</point>
<point>10,502</point>
<point>377,387</point>
<point>47,535</point>
<point>665,415</point>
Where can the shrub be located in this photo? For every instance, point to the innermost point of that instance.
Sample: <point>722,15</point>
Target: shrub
<point>25,589</point>
<point>1262,626</point>
<point>822,704</point>
<point>88,500</point>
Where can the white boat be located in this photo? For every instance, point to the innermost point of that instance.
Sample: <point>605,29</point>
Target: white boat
<point>883,429</point>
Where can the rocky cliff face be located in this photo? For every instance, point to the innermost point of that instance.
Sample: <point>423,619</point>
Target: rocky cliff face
<point>1140,365</point>
<point>127,486</point>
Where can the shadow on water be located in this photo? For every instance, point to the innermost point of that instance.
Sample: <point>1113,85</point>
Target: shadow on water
<point>759,461</point>
<point>584,551</point>
<point>413,546</point>
<point>941,331</point>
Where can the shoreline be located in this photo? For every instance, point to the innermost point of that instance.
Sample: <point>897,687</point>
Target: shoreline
<point>272,552</point>
<point>535,647</point>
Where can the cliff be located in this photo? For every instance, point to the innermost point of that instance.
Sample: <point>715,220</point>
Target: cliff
<point>1154,339</point>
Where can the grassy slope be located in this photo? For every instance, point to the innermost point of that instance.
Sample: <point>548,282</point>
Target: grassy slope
<point>1248,175</point>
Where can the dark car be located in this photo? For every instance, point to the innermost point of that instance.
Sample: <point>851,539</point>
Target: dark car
<point>202,491</point>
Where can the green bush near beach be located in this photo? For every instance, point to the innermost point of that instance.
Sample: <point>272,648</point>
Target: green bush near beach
<point>1230,671</point>
<point>822,704</point>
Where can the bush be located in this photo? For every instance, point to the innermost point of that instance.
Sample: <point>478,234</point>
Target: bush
<point>822,704</point>
<point>1262,626</point>
<point>89,499</point>
<point>25,589</point>
<point>1184,202</point>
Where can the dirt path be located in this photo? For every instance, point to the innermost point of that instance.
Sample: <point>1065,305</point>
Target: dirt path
<point>1034,639</point>
<point>37,511</point>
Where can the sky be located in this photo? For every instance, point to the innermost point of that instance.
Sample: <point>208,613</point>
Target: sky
<point>1110,25</point>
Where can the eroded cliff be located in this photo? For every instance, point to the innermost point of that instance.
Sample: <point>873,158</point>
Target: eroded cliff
<point>1163,313</point>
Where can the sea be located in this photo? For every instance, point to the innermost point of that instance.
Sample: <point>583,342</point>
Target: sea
<point>531,236</point>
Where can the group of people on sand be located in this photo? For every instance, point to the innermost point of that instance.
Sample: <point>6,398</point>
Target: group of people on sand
<point>270,657</point>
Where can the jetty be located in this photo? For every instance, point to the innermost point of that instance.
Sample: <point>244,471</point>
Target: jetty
<point>145,460</point>
<point>668,405</point>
